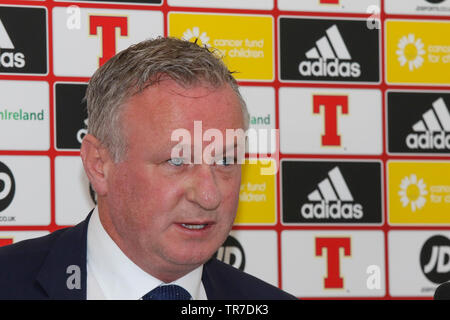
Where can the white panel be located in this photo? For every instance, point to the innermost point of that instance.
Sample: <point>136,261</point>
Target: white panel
<point>406,278</point>
<point>31,202</point>
<point>24,118</point>
<point>419,7</point>
<point>76,53</point>
<point>261,107</point>
<point>303,272</point>
<point>301,130</point>
<point>262,264</point>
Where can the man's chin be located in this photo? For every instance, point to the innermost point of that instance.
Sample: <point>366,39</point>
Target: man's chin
<point>192,258</point>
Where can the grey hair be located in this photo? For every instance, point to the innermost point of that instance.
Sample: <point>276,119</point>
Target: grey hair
<point>142,65</point>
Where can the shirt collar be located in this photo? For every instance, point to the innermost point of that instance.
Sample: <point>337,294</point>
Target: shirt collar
<point>120,278</point>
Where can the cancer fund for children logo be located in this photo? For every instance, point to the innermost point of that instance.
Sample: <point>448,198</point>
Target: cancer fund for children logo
<point>417,52</point>
<point>410,52</point>
<point>412,192</point>
<point>419,192</point>
<point>248,54</point>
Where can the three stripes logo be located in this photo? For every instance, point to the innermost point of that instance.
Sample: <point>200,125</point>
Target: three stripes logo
<point>332,199</point>
<point>330,57</point>
<point>23,40</point>
<point>9,59</point>
<point>315,49</point>
<point>433,130</point>
<point>331,192</point>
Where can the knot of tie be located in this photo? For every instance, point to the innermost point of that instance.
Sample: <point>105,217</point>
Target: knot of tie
<point>168,292</point>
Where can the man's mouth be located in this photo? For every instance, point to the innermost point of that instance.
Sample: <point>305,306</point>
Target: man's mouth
<point>194,226</point>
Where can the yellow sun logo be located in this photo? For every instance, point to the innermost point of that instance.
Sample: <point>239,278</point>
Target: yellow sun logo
<point>410,51</point>
<point>412,192</point>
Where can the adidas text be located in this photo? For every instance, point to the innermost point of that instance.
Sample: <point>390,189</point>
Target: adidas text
<point>329,67</point>
<point>428,140</point>
<point>11,60</point>
<point>332,210</point>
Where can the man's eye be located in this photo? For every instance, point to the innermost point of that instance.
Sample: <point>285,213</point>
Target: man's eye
<point>226,162</point>
<point>176,161</point>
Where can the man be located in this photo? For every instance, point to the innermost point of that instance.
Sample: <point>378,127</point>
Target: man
<point>160,217</point>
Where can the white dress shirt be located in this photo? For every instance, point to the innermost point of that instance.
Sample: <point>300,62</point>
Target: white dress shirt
<point>111,275</point>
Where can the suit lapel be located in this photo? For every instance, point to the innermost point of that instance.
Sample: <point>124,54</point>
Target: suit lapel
<point>63,274</point>
<point>211,287</point>
<point>216,282</point>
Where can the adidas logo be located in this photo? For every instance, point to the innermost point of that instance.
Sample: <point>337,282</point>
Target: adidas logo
<point>9,59</point>
<point>433,131</point>
<point>328,53</point>
<point>332,200</point>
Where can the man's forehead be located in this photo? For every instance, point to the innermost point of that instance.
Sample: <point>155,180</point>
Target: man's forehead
<point>202,114</point>
<point>194,90</point>
<point>168,95</point>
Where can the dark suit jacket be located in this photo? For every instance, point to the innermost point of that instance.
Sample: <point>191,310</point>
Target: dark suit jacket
<point>38,269</point>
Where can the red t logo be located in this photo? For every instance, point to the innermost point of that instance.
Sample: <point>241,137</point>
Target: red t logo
<point>108,26</point>
<point>330,105</point>
<point>5,242</point>
<point>333,245</point>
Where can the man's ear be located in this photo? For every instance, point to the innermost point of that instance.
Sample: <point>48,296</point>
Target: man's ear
<point>96,161</point>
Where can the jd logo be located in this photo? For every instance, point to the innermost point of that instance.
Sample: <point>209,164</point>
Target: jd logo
<point>7,186</point>
<point>435,259</point>
<point>231,252</point>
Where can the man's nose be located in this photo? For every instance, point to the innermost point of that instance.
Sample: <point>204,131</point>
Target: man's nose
<point>203,188</point>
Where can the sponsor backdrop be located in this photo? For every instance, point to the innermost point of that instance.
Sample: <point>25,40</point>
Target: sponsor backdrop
<point>351,197</point>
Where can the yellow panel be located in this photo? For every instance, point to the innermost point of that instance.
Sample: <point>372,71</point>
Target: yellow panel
<point>419,192</point>
<point>244,42</point>
<point>257,196</point>
<point>418,52</point>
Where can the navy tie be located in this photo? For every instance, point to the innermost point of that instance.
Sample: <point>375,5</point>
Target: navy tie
<point>167,292</point>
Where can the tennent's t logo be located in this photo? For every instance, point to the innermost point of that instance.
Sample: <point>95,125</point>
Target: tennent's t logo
<point>108,26</point>
<point>330,105</point>
<point>333,246</point>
